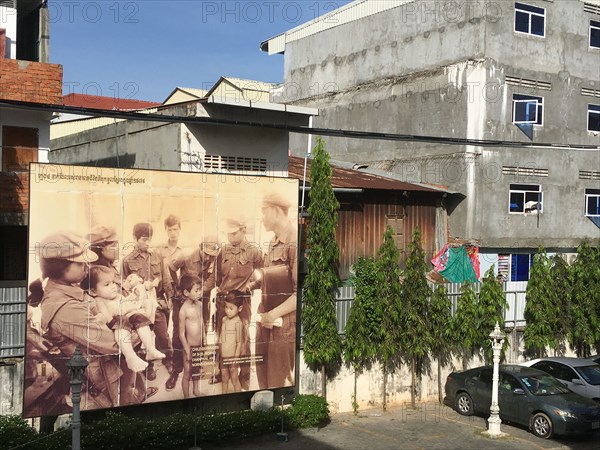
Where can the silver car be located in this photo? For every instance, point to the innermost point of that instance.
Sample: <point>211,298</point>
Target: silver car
<point>579,374</point>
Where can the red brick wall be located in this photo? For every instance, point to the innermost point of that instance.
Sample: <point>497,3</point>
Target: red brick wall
<point>28,81</point>
<point>14,192</point>
<point>2,43</point>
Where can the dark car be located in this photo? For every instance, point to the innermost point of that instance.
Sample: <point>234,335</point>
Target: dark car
<point>526,396</point>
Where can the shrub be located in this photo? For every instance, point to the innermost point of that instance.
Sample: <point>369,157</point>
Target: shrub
<point>118,431</point>
<point>14,431</point>
<point>307,411</point>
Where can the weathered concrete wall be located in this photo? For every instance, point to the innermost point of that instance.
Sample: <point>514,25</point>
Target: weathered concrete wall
<point>11,386</point>
<point>154,144</point>
<point>178,146</point>
<point>434,69</point>
<point>370,384</point>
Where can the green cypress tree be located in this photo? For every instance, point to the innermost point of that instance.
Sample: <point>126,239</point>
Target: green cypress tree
<point>415,335</point>
<point>491,306</point>
<point>465,324</point>
<point>560,276</point>
<point>584,327</point>
<point>392,320</point>
<point>363,329</point>
<point>541,309</point>
<point>322,343</point>
<point>440,322</point>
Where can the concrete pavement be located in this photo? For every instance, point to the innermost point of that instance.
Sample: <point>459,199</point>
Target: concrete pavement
<point>429,426</point>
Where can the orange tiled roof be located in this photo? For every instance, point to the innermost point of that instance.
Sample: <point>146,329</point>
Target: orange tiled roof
<point>99,102</point>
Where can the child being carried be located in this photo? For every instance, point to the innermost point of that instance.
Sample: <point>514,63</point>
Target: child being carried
<point>122,314</point>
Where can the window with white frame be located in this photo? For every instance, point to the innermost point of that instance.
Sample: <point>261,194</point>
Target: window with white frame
<point>530,19</point>
<point>594,118</point>
<point>594,34</point>
<point>592,202</point>
<point>525,199</point>
<point>515,266</point>
<point>527,109</point>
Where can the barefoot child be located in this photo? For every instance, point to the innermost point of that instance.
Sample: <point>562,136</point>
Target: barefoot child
<point>231,341</point>
<point>191,330</point>
<point>123,315</point>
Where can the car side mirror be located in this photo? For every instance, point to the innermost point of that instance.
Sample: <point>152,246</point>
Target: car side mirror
<point>577,381</point>
<point>519,391</point>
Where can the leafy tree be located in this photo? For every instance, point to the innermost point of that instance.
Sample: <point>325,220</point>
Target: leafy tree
<point>363,329</point>
<point>541,308</point>
<point>415,335</point>
<point>560,276</point>
<point>491,306</point>
<point>322,343</point>
<point>584,328</point>
<point>388,277</point>
<point>466,333</point>
<point>439,317</point>
<point>595,296</point>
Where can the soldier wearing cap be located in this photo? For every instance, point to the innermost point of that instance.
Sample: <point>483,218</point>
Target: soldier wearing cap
<point>67,321</point>
<point>235,266</point>
<point>277,344</point>
<point>200,262</point>
<point>105,243</point>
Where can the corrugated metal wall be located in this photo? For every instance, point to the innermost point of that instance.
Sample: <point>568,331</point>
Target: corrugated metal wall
<point>12,321</point>
<point>362,222</point>
<point>514,316</point>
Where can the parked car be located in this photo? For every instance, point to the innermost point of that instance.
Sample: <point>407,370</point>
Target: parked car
<point>526,396</point>
<point>579,374</point>
<point>595,358</point>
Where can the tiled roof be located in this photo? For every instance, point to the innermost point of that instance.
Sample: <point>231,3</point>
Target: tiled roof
<point>99,102</point>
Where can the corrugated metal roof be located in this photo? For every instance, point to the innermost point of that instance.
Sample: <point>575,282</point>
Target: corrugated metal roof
<point>344,176</point>
<point>67,128</point>
<point>252,85</point>
<point>192,93</point>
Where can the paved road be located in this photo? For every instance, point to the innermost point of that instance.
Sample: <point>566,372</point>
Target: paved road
<point>429,426</point>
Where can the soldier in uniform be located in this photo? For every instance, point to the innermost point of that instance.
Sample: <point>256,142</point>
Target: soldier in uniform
<point>170,251</point>
<point>149,265</point>
<point>235,265</point>
<point>277,344</point>
<point>67,321</point>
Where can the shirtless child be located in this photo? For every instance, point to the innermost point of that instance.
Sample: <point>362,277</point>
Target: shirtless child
<point>191,329</point>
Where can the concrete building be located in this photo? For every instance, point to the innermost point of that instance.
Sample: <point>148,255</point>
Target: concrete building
<point>184,145</point>
<point>519,73</point>
<point>26,81</point>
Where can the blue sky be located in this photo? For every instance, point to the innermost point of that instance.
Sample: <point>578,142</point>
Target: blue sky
<point>144,49</point>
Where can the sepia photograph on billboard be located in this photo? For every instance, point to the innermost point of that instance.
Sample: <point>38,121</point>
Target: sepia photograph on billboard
<point>172,284</point>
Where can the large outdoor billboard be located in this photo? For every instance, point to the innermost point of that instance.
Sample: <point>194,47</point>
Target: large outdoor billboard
<point>172,284</point>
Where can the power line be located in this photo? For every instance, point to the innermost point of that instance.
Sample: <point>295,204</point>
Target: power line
<point>348,134</point>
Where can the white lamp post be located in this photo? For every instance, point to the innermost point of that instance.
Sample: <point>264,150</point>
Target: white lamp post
<point>497,339</point>
<point>77,365</point>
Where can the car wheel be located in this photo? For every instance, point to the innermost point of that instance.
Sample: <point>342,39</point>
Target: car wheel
<point>541,425</point>
<point>464,404</point>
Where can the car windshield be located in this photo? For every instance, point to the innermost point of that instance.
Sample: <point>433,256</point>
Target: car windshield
<point>543,385</point>
<point>591,374</point>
